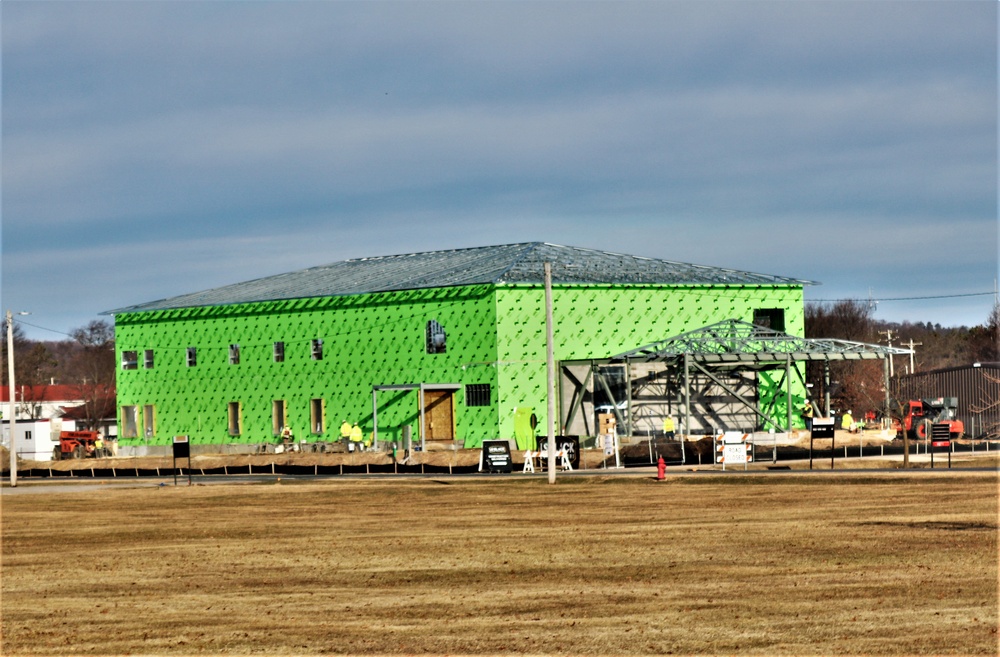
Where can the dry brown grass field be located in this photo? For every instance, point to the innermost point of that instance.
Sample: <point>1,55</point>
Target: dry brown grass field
<point>749,564</point>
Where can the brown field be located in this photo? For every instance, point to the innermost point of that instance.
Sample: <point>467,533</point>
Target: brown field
<point>884,563</point>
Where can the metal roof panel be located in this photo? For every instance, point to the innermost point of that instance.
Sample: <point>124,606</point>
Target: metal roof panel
<point>499,265</point>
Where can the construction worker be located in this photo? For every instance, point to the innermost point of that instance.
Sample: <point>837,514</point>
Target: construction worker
<point>668,427</point>
<point>345,431</point>
<point>847,421</point>
<point>356,435</point>
<point>807,415</point>
<point>98,447</point>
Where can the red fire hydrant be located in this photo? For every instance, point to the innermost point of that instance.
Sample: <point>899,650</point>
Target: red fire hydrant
<point>661,469</point>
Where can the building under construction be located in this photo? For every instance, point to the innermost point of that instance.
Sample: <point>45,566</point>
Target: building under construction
<point>450,347</point>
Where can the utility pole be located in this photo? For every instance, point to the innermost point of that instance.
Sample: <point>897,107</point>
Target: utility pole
<point>10,392</point>
<point>911,344</point>
<point>550,370</point>
<point>889,337</point>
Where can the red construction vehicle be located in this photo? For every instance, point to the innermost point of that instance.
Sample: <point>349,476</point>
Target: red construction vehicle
<point>78,445</point>
<point>920,414</point>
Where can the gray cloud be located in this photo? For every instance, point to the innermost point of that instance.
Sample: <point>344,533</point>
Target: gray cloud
<point>216,140</point>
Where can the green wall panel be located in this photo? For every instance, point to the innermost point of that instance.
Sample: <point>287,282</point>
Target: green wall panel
<point>376,340</point>
<point>601,321</point>
<point>496,336</point>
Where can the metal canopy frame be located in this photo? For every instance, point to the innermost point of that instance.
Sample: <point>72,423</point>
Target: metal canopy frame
<point>733,345</point>
<point>741,343</point>
<point>420,387</point>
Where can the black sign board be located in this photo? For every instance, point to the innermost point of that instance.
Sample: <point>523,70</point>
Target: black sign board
<point>941,437</point>
<point>570,443</point>
<point>182,448</point>
<point>822,427</point>
<point>496,456</point>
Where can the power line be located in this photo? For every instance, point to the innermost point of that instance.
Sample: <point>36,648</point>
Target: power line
<point>21,321</point>
<point>939,296</point>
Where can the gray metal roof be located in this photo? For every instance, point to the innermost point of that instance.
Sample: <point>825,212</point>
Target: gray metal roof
<point>506,264</point>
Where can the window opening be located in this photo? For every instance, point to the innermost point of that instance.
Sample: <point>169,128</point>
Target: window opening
<point>279,352</point>
<point>317,416</point>
<point>234,354</point>
<point>147,360</point>
<point>130,422</point>
<point>130,360</point>
<point>149,420</point>
<point>436,338</point>
<point>477,394</point>
<point>192,356</point>
<point>317,349</point>
<point>771,318</point>
<point>279,416</point>
<point>234,419</point>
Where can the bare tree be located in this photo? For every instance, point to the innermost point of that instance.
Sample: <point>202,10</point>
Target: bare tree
<point>34,368</point>
<point>988,403</point>
<point>93,371</point>
<point>984,341</point>
<point>855,385</point>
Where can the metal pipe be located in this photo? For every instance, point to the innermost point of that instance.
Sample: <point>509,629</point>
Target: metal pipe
<point>788,392</point>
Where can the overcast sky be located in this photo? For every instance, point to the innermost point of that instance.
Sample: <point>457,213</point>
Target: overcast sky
<point>152,149</point>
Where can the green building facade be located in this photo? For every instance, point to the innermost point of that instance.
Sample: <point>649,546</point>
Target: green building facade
<point>463,331</point>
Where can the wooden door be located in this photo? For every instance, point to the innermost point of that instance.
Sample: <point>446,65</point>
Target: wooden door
<point>439,415</point>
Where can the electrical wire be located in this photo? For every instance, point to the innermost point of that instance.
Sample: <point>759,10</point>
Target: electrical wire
<point>881,299</point>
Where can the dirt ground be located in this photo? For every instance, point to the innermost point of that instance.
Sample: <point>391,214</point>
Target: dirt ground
<point>750,564</point>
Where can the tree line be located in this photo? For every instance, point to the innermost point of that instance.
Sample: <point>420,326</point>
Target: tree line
<point>860,385</point>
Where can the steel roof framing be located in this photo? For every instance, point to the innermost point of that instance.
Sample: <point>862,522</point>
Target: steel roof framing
<point>730,344</point>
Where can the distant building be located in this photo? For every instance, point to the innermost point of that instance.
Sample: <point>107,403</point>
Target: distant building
<point>448,343</point>
<point>40,402</point>
<point>36,439</point>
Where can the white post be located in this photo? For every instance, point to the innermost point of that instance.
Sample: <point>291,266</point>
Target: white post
<point>10,380</point>
<point>550,374</point>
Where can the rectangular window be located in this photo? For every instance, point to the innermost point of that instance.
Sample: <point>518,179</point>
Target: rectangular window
<point>317,416</point>
<point>771,318</point>
<point>279,416</point>
<point>436,338</point>
<point>279,352</point>
<point>147,360</point>
<point>317,350</point>
<point>27,436</point>
<point>149,420</point>
<point>130,422</point>
<point>130,360</point>
<point>234,419</point>
<point>477,394</point>
<point>192,356</point>
<point>234,354</point>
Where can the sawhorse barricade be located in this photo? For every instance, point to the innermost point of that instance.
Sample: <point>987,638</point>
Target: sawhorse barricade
<point>530,456</point>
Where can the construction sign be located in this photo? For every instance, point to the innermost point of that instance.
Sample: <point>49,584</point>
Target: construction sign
<point>733,447</point>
